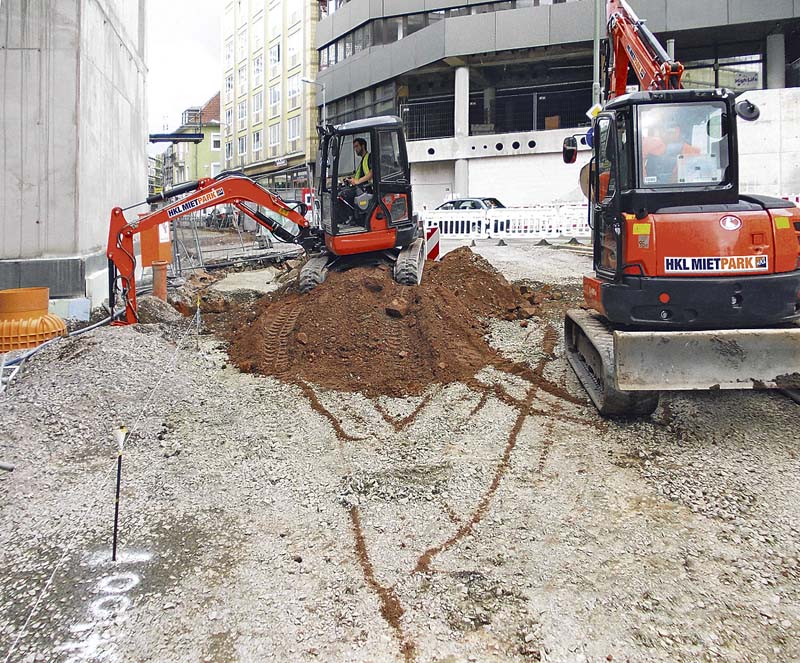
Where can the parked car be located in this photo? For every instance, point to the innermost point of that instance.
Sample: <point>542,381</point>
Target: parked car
<point>472,203</point>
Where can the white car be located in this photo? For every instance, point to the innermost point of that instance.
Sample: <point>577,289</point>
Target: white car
<point>472,203</point>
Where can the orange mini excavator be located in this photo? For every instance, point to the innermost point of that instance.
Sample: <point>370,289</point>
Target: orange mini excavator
<point>365,224</point>
<point>695,285</point>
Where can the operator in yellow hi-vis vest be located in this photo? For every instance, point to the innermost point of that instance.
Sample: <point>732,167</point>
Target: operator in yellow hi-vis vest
<point>357,185</point>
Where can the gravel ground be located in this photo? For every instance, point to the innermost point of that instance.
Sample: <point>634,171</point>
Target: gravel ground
<point>262,521</point>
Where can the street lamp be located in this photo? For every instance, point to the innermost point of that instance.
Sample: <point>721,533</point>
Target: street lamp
<point>322,85</point>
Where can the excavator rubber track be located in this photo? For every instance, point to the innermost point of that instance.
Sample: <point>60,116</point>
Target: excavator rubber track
<point>313,273</point>
<point>589,346</point>
<point>410,263</point>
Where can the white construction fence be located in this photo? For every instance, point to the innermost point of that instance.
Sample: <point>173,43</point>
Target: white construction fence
<point>540,222</point>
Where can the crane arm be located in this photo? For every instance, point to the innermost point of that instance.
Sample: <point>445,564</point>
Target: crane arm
<point>632,45</point>
<point>237,190</point>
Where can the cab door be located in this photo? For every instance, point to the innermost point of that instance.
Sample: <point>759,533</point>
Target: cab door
<point>393,176</point>
<point>607,217</point>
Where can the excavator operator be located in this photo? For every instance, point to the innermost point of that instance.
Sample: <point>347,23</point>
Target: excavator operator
<point>361,179</point>
<point>661,152</point>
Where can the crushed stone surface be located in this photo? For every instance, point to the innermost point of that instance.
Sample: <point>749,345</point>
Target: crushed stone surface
<point>495,519</point>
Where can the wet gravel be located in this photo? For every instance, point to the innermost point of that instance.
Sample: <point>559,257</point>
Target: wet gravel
<point>497,523</point>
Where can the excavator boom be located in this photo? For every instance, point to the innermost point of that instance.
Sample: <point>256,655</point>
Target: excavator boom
<point>633,46</point>
<point>234,189</point>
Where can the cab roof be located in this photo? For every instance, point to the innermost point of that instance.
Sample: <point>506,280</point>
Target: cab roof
<point>665,96</point>
<point>382,121</point>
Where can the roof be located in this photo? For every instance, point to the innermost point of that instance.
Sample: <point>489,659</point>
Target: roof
<point>370,122</point>
<point>656,96</point>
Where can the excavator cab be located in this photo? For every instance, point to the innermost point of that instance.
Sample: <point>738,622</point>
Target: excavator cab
<point>372,221</point>
<point>376,146</point>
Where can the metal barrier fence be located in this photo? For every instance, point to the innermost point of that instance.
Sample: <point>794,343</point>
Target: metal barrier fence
<point>540,222</point>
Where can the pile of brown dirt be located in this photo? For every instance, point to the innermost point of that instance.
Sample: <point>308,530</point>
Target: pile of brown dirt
<point>361,331</point>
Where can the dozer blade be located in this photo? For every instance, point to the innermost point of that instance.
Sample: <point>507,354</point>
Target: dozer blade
<point>589,345</point>
<point>719,359</point>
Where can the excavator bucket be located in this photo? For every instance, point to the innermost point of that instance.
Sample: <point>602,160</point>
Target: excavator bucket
<point>719,359</point>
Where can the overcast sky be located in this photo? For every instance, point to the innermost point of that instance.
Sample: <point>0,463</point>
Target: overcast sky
<point>183,58</point>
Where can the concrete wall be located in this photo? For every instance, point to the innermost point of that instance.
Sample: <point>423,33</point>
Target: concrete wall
<point>769,148</point>
<point>769,160</point>
<point>74,134</point>
<point>518,169</point>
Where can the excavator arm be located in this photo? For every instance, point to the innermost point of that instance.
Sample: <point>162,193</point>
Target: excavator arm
<point>633,46</point>
<point>237,190</point>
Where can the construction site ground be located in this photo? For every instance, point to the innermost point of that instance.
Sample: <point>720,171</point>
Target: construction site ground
<point>270,516</point>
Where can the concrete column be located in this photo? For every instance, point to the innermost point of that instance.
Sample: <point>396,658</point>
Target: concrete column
<point>461,184</point>
<point>776,61</point>
<point>462,102</point>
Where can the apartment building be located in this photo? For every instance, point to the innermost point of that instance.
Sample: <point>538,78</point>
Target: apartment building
<point>488,90</point>
<point>186,162</point>
<point>269,113</point>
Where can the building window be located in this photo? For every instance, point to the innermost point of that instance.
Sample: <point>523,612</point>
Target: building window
<point>293,91</point>
<point>229,85</point>
<point>228,53</point>
<point>241,116</point>
<point>228,120</point>
<point>258,144</point>
<point>293,129</point>
<point>362,38</point>
<point>295,47</point>
<point>257,31</point>
<point>274,134</point>
<point>216,142</point>
<point>241,79</point>
<point>258,70</point>
<point>274,100</point>
<point>274,60</point>
<point>258,106</point>
<point>242,145</point>
<point>275,21</point>
<point>228,151</point>
<point>295,13</point>
<point>323,59</point>
<point>241,44</point>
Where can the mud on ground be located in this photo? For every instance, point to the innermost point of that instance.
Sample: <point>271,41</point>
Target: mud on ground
<point>496,520</point>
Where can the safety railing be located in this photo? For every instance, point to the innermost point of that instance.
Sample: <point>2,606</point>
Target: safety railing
<point>565,221</point>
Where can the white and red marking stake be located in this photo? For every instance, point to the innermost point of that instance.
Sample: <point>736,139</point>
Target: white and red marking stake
<point>432,244</point>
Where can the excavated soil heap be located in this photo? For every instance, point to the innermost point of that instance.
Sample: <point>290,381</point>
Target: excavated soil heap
<point>361,331</point>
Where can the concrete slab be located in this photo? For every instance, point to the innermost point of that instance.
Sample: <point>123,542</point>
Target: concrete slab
<point>258,280</point>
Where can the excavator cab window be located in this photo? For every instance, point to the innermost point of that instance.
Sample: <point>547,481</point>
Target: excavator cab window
<point>683,144</point>
<point>606,213</point>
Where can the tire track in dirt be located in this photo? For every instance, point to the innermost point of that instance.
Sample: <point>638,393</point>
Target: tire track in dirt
<point>391,609</point>
<point>402,424</point>
<point>276,338</point>
<point>424,562</point>
<point>524,409</point>
<point>341,434</point>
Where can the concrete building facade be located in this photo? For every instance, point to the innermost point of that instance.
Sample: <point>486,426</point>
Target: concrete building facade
<point>488,90</point>
<point>72,80</point>
<point>268,113</point>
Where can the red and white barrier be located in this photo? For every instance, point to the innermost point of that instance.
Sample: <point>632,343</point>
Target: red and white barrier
<point>432,243</point>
